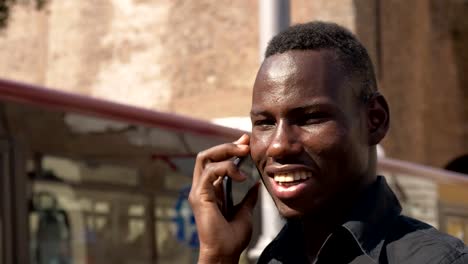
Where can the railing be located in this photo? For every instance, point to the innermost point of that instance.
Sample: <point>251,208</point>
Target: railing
<point>421,171</point>
<point>438,197</point>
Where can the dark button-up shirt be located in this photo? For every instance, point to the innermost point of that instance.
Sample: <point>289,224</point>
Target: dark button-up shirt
<point>376,232</point>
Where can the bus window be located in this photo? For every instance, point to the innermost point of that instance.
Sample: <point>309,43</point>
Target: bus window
<point>73,220</point>
<point>80,171</point>
<point>5,204</point>
<point>115,227</point>
<point>50,229</point>
<point>176,235</point>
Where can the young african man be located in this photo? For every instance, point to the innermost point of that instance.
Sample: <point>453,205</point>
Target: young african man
<point>316,120</point>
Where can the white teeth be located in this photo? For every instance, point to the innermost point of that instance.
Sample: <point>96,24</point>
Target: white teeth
<point>292,176</point>
<point>297,176</point>
<point>288,178</point>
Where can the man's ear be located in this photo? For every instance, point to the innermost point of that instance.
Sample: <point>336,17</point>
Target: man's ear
<point>378,118</point>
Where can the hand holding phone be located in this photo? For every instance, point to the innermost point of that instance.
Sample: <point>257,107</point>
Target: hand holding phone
<point>235,192</point>
<point>219,237</point>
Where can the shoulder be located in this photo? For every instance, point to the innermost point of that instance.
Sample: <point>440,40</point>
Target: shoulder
<point>413,241</point>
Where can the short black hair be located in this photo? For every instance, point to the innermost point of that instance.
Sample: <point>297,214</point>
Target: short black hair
<point>318,35</point>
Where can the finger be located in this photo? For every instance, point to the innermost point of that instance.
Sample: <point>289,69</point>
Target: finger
<point>213,171</point>
<point>207,191</point>
<point>244,139</point>
<point>216,154</point>
<point>221,152</point>
<point>219,192</point>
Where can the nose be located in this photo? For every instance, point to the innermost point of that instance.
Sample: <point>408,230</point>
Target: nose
<point>285,142</point>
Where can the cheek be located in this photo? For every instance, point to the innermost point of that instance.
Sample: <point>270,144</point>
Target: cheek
<point>337,150</point>
<point>327,140</point>
<point>258,146</point>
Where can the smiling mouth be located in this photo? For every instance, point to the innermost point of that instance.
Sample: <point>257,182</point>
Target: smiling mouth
<point>291,178</point>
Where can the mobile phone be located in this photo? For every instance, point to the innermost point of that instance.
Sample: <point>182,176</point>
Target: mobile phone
<point>235,192</point>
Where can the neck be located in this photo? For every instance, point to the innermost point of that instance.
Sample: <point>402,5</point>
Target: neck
<point>318,226</point>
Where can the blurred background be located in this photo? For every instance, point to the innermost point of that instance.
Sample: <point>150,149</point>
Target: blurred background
<point>100,176</point>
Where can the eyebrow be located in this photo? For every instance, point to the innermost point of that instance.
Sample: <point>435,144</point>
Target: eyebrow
<point>321,106</point>
<point>303,108</point>
<point>258,113</point>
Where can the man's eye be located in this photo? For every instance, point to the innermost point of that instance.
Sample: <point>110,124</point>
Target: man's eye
<point>312,118</point>
<point>264,123</point>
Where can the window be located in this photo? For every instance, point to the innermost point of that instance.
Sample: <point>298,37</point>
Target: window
<point>176,236</point>
<point>73,220</point>
<point>457,226</point>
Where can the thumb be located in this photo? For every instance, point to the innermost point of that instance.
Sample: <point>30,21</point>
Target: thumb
<point>248,203</point>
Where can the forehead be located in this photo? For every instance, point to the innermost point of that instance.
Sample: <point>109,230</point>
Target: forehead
<point>298,77</point>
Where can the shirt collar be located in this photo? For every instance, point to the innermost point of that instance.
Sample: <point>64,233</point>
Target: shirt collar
<point>369,221</point>
<point>363,235</point>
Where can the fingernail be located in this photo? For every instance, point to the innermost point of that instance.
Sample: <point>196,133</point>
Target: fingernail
<point>240,139</point>
<point>243,146</point>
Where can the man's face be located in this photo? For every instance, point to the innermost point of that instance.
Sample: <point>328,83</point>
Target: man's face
<point>309,136</point>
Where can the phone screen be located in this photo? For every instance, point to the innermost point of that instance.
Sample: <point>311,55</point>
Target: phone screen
<point>234,192</point>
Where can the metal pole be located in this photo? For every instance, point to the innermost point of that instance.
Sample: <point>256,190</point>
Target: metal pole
<point>273,18</point>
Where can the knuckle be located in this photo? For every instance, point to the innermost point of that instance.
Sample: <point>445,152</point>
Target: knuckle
<point>231,168</point>
<point>191,199</point>
<point>210,168</point>
<point>201,156</point>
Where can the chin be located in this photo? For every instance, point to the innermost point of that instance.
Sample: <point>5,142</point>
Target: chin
<point>290,212</point>
<point>291,216</point>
